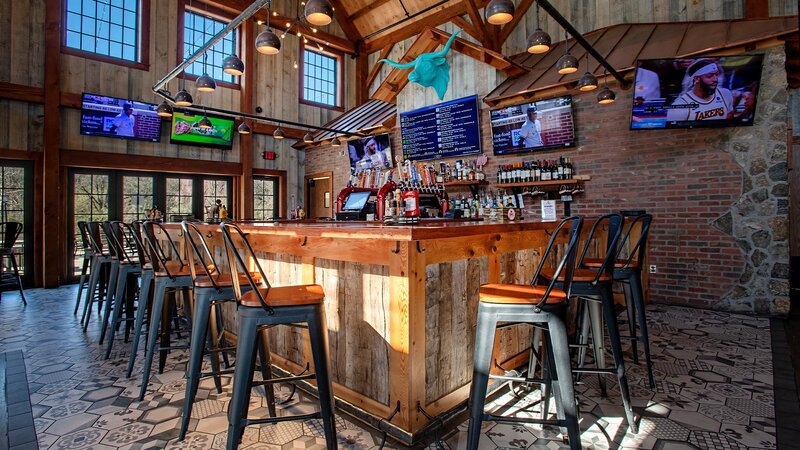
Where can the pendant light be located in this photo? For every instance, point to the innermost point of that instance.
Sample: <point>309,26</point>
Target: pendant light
<point>539,41</point>
<point>205,123</point>
<point>336,142</point>
<point>606,96</point>
<point>243,128</point>
<point>183,98</point>
<point>205,83</point>
<point>318,12</point>
<point>567,64</point>
<point>164,109</point>
<point>267,42</point>
<point>588,81</point>
<point>278,134</point>
<point>499,12</point>
<point>232,65</point>
<point>308,137</point>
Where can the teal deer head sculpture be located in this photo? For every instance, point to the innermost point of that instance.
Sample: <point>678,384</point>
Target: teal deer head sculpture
<point>430,69</point>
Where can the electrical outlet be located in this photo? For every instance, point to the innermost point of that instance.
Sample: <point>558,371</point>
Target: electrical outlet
<point>653,268</point>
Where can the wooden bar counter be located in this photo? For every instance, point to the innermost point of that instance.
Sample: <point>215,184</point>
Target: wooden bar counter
<point>401,303</point>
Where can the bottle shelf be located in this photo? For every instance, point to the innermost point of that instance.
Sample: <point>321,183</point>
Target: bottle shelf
<point>466,183</point>
<point>547,183</point>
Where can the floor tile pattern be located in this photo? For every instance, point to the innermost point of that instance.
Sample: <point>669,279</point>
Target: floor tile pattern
<point>713,391</point>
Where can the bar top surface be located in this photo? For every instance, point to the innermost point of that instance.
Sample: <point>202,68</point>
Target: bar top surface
<point>437,229</point>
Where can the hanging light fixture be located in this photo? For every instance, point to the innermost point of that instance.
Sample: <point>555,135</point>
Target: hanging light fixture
<point>205,123</point>
<point>308,137</point>
<point>567,64</point>
<point>588,81</point>
<point>205,83</point>
<point>267,42</point>
<point>499,12</point>
<point>232,65</point>
<point>336,142</point>
<point>244,128</point>
<point>539,41</point>
<point>606,96</point>
<point>318,12</point>
<point>278,133</point>
<point>164,109</point>
<point>183,98</point>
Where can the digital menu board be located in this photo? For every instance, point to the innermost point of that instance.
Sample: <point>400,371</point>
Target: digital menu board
<point>441,131</point>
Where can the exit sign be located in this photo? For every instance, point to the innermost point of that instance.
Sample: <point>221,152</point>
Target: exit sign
<point>269,156</point>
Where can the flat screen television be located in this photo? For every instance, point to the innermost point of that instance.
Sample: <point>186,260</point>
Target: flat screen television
<point>373,152</point>
<point>119,118</point>
<point>185,130</point>
<point>441,131</point>
<point>539,125</point>
<point>696,92</point>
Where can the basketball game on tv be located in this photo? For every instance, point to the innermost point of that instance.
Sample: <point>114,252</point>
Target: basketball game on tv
<point>696,92</point>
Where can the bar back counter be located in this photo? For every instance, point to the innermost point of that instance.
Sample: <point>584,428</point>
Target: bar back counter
<point>401,306</point>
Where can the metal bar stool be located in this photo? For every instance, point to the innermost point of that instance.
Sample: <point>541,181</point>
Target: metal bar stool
<point>211,289</point>
<point>628,271</point>
<point>542,306</point>
<point>112,238</point>
<point>594,286</point>
<point>11,232</point>
<point>143,306</point>
<point>87,259</point>
<point>101,262</point>
<point>171,274</point>
<point>128,267</point>
<point>265,306</point>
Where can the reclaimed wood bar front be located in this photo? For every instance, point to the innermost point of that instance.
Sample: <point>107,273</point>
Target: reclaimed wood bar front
<point>401,305</point>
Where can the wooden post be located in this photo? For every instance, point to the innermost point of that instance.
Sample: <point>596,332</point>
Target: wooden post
<point>756,9</point>
<point>362,70</point>
<point>52,214</point>
<point>246,140</point>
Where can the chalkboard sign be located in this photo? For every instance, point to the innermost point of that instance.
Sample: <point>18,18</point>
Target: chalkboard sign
<point>441,131</point>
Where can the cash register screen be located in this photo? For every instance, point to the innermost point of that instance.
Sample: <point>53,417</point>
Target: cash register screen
<point>356,201</point>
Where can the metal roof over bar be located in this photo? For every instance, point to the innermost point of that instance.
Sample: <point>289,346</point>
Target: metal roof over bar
<point>623,44</point>
<point>365,119</point>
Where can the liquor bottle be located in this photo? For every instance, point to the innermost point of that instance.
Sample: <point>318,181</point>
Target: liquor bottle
<point>561,168</point>
<point>537,171</point>
<point>569,169</point>
<point>545,171</point>
<point>526,173</point>
<point>472,173</point>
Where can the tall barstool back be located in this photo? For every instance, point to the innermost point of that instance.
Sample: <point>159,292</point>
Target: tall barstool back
<point>87,259</point>
<point>239,268</point>
<point>11,232</point>
<point>157,252</point>
<point>635,254</point>
<point>200,256</point>
<point>120,237</point>
<point>101,259</point>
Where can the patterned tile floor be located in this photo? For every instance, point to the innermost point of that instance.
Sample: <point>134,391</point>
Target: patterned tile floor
<point>713,370</point>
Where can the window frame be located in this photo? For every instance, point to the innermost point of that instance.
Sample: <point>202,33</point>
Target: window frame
<point>340,87</point>
<point>200,8</point>
<point>276,197</point>
<point>143,41</point>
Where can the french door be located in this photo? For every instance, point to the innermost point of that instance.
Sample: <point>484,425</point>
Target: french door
<point>16,205</point>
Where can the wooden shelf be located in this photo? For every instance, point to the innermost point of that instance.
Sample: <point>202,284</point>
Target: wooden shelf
<point>542,183</point>
<point>466,183</point>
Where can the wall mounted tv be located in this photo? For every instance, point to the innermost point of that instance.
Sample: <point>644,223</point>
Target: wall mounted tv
<point>185,130</point>
<point>119,118</point>
<point>441,131</point>
<point>696,92</point>
<point>533,126</point>
<point>373,152</point>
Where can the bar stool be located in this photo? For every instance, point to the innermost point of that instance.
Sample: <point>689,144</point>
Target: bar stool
<point>543,306</point>
<point>101,262</point>
<point>87,259</point>
<point>211,289</point>
<point>171,274</point>
<point>628,271</point>
<point>265,306</point>
<point>11,232</point>
<point>128,267</point>
<point>112,238</point>
<point>143,305</point>
<point>594,287</point>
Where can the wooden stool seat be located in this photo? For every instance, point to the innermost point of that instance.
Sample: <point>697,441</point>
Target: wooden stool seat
<point>179,269</point>
<point>223,280</point>
<point>519,294</point>
<point>580,275</point>
<point>595,263</point>
<point>307,294</point>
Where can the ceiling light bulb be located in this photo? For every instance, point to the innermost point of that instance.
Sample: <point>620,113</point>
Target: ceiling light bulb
<point>606,96</point>
<point>567,64</point>
<point>205,124</point>
<point>244,128</point>
<point>183,98</point>
<point>499,12</point>
<point>164,109</point>
<point>588,82</point>
<point>318,12</point>
<point>278,134</point>
<point>308,138</point>
<point>232,65</point>
<point>267,43</point>
<point>539,42</point>
<point>260,22</point>
<point>205,83</point>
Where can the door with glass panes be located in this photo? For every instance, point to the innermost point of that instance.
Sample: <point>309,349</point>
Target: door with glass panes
<point>16,205</point>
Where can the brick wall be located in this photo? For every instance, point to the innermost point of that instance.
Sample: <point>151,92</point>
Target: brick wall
<point>718,196</point>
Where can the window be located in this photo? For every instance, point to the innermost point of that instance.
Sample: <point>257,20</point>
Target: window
<point>197,30</point>
<point>90,202</point>
<point>16,205</point>
<point>179,197</point>
<point>137,197</point>
<point>320,79</point>
<point>265,201</point>
<point>107,28</point>
<point>214,190</point>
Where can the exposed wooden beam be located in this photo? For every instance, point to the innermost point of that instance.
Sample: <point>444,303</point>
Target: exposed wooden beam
<point>246,104</point>
<point>268,129</point>
<point>21,93</point>
<point>106,160</point>
<point>52,233</point>
<point>477,22</point>
<point>397,79</point>
<point>462,23</point>
<point>756,9</point>
<point>366,8</point>
<point>362,87</point>
<point>519,14</point>
<point>344,22</point>
<point>482,54</point>
<point>373,73</point>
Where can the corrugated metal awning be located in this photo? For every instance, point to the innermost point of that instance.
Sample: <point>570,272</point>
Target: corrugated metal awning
<point>623,44</point>
<point>367,118</point>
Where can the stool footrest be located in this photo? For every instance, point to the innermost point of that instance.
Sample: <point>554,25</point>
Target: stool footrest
<point>495,418</point>
<point>516,379</point>
<point>221,349</point>
<point>315,415</point>
<point>611,371</point>
<point>172,347</point>
<point>284,379</point>
<point>214,374</point>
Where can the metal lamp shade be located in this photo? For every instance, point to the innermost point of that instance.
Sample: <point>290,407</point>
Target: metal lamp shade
<point>278,134</point>
<point>308,138</point>
<point>205,83</point>
<point>205,124</point>
<point>499,12</point>
<point>567,64</point>
<point>268,43</point>
<point>588,82</point>
<point>232,65</point>
<point>539,42</point>
<point>164,109</point>
<point>606,96</point>
<point>243,128</point>
<point>183,98</point>
<point>318,12</point>
<point>336,142</point>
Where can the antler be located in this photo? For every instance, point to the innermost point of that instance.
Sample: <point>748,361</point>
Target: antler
<point>447,45</point>
<point>399,65</point>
